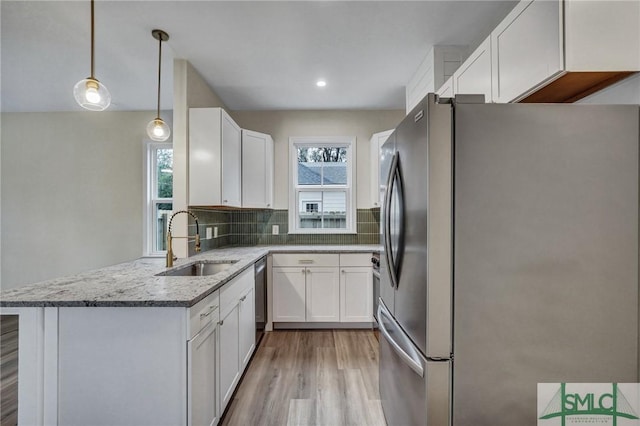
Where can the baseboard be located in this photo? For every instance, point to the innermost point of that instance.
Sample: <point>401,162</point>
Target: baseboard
<point>322,325</point>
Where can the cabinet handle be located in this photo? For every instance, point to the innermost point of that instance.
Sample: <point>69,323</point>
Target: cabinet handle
<point>225,201</point>
<point>221,322</point>
<point>243,298</point>
<point>211,309</point>
<point>304,270</point>
<point>305,261</point>
<point>268,205</point>
<point>343,271</point>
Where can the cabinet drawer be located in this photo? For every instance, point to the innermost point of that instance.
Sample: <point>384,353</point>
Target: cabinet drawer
<point>231,292</point>
<point>355,259</point>
<point>203,312</point>
<point>306,259</point>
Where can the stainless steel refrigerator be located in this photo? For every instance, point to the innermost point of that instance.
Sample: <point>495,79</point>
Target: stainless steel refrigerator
<point>510,236</point>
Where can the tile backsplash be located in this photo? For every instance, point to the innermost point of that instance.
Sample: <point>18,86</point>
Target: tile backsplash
<point>253,227</point>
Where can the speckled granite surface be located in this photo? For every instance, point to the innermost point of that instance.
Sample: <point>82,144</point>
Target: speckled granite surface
<point>136,284</point>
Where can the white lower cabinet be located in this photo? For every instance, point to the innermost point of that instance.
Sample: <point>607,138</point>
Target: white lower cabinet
<point>149,365</point>
<point>356,287</point>
<point>289,288</point>
<point>356,294</point>
<point>229,354</point>
<point>203,384</point>
<point>338,288</point>
<point>306,294</point>
<point>247,326</point>
<point>323,295</point>
<point>237,332</point>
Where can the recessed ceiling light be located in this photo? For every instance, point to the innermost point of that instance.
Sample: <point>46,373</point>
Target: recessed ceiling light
<point>321,83</point>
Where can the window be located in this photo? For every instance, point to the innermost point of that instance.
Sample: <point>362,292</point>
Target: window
<point>322,198</point>
<point>159,196</point>
<point>311,208</point>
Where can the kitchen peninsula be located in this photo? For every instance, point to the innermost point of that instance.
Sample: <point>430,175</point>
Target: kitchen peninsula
<point>91,343</point>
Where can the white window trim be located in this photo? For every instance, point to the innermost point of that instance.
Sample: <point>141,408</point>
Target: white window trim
<point>149,202</point>
<point>349,188</point>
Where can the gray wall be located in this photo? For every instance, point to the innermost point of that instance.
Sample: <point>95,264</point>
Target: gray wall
<point>283,124</point>
<point>71,192</point>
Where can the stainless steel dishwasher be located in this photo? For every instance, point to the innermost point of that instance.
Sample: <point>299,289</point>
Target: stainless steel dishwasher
<point>261,297</point>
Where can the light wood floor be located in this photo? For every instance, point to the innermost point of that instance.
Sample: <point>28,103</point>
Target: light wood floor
<point>8,370</point>
<point>319,377</point>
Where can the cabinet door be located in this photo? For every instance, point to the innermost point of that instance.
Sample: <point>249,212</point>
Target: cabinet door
<point>323,295</point>
<point>257,170</point>
<point>289,294</point>
<point>231,162</point>
<point>474,75</point>
<point>446,90</point>
<point>205,150</point>
<point>527,48</point>
<point>247,327</point>
<point>229,355</point>
<point>202,392</point>
<point>374,145</point>
<point>356,287</point>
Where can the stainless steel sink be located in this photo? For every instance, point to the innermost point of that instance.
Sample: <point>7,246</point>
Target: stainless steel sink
<point>199,269</point>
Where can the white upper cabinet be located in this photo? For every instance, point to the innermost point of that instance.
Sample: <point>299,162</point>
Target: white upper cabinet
<point>527,48</point>
<point>561,51</point>
<point>474,75</point>
<point>374,145</point>
<point>602,35</point>
<point>433,71</point>
<point>257,170</point>
<point>215,155</point>
<point>446,90</point>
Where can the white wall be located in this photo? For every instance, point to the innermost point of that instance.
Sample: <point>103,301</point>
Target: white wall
<point>626,91</point>
<point>283,124</point>
<point>71,192</point>
<point>189,91</point>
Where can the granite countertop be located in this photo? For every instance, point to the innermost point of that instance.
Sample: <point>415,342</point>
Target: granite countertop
<point>136,284</point>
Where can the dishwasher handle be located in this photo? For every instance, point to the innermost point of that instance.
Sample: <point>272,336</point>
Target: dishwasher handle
<point>260,265</point>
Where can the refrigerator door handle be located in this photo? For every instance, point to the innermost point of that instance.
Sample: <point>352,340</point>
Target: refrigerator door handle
<point>412,361</point>
<point>387,219</point>
<point>394,186</point>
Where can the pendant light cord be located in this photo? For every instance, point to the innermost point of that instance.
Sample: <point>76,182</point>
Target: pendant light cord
<point>92,42</point>
<point>159,70</point>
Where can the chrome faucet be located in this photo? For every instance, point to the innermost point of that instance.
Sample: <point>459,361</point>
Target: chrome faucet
<point>170,256</point>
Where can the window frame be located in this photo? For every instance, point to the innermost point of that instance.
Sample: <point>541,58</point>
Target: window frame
<point>348,142</point>
<point>150,200</point>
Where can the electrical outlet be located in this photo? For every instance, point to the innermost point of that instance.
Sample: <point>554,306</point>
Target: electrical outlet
<point>208,233</point>
<point>215,232</point>
<point>275,229</point>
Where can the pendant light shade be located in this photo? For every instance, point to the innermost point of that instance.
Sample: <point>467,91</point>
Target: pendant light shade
<point>90,93</point>
<point>157,129</point>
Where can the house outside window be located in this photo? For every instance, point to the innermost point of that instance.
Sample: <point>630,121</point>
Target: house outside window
<point>322,199</point>
<point>159,196</point>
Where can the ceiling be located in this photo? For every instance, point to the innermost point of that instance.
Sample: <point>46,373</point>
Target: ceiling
<point>255,55</point>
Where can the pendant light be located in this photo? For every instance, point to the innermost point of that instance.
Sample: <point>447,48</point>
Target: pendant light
<point>90,93</point>
<point>157,129</point>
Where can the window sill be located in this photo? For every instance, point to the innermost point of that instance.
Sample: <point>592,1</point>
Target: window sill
<point>349,232</point>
